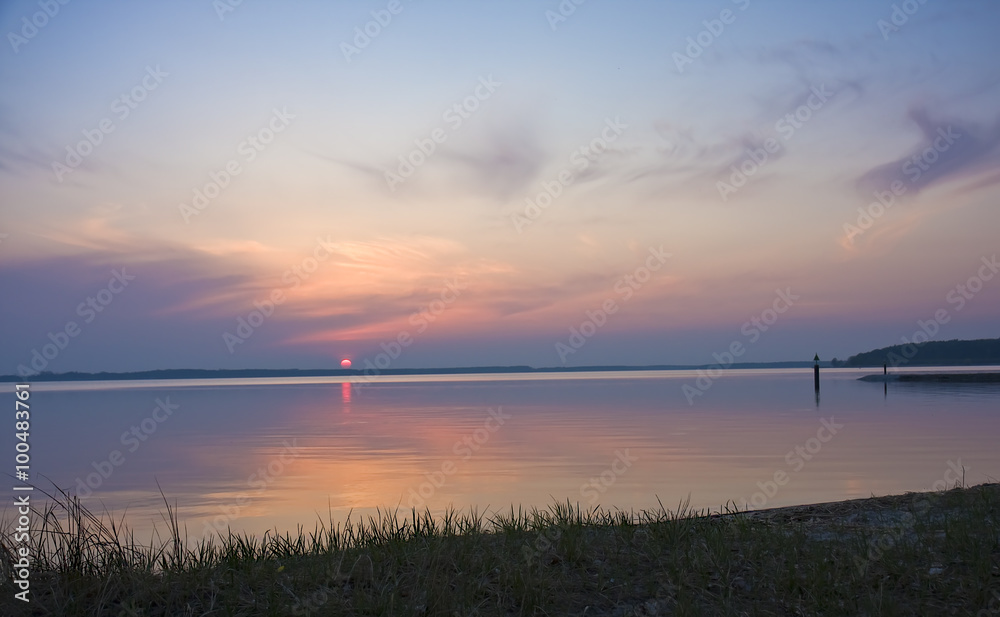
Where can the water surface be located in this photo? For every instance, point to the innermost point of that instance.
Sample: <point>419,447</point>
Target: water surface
<point>255,454</point>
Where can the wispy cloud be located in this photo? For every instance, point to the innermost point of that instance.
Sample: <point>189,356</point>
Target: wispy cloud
<point>500,161</point>
<point>948,150</point>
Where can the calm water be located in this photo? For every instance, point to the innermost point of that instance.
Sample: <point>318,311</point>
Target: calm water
<point>263,453</point>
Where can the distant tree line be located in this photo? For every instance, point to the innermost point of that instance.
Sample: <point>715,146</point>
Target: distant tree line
<point>932,353</point>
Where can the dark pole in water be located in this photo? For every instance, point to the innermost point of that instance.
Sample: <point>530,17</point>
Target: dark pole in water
<point>816,372</point>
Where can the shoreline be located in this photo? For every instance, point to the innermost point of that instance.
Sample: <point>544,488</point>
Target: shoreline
<point>362,374</point>
<point>166,374</point>
<point>919,553</point>
<point>988,377</point>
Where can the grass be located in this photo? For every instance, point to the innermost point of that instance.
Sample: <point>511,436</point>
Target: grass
<point>913,554</point>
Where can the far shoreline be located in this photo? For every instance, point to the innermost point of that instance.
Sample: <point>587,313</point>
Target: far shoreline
<point>187,374</point>
<point>980,377</point>
<point>250,373</point>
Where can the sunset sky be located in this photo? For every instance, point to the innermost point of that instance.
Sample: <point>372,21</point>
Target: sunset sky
<point>692,159</point>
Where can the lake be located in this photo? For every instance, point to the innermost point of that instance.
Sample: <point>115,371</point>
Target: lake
<point>258,454</point>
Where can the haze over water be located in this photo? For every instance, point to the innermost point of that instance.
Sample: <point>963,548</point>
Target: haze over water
<point>260,454</point>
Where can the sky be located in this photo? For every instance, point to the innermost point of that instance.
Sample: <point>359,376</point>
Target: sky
<point>255,184</point>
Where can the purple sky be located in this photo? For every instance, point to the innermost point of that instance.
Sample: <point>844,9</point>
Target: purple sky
<point>451,184</point>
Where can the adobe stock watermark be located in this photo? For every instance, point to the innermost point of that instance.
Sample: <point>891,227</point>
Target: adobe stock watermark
<point>248,150</point>
<point>697,44</point>
<point>954,475</point>
<point>292,278</point>
<point>38,20</point>
<point>364,35</point>
<point>563,12</point>
<point>465,448</point>
<point>88,309</point>
<point>224,7</point>
<point>132,439</point>
<point>959,295</point>
<point>913,169</point>
<point>752,330</point>
<point>580,159</point>
<point>626,287</point>
<point>900,15</point>
<point>965,292</point>
<point>122,107</point>
<point>260,481</point>
<point>545,540</point>
<point>796,460</point>
<point>786,127</point>
<point>595,487</point>
<point>454,117</point>
<point>422,318</point>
